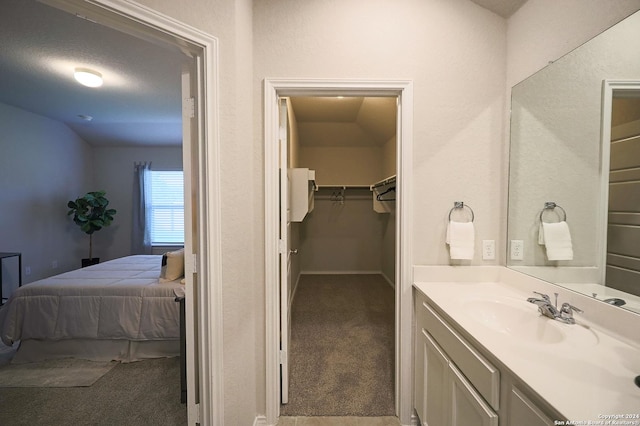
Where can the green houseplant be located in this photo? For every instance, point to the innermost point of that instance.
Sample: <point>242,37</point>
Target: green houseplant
<point>91,213</point>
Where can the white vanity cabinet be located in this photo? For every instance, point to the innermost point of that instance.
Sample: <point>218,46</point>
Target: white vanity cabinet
<point>522,412</point>
<point>431,375</point>
<point>458,385</point>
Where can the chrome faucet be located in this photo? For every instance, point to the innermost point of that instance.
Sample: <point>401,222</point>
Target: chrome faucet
<point>565,314</point>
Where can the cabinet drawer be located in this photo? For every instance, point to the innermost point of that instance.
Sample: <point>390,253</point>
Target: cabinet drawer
<point>484,377</point>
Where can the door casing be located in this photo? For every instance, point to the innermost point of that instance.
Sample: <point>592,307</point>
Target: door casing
<point>205,400</point>
<point>403,90</point>
<point>609,88</point>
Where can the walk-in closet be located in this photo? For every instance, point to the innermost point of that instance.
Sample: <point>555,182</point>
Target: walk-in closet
<point>342,235</point>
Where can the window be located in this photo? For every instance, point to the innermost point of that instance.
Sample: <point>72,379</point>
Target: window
<point>166,210</point>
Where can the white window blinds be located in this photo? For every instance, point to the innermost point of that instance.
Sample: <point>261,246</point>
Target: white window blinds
<point>167,207</point>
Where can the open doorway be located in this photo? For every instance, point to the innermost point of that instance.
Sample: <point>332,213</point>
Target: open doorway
<point>199,133</point>
<point>342,319</point>
<point>620,180</point>
<point>279,246</point>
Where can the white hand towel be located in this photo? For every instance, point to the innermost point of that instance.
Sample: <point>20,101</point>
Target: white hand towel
<point>557,239</point>
<point>461,240</point>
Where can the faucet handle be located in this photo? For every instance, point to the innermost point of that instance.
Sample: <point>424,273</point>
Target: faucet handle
<point>544,296</point>
<point>568,308</point>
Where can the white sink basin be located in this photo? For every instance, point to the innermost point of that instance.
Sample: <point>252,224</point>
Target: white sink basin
<point>521,319</point>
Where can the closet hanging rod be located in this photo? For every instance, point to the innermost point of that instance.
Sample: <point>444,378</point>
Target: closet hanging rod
<point>380,196</point>
<point>342,186</point>
<point>387,181</point>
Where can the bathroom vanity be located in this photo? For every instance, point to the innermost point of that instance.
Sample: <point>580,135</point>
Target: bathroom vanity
<point>484,355</point>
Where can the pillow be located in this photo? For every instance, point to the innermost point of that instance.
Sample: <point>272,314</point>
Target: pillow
<point>172,266</point>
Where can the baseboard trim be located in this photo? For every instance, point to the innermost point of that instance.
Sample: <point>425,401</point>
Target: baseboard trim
<point>341,273</point>
<point>389,280</point>
<point>293,293</point>
<point>260,421</point>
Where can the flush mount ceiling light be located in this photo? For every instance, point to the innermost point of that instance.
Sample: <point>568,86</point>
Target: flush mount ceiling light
<point>87,77</point>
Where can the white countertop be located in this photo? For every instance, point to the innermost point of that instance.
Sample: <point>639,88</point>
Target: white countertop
<point>583,371</point>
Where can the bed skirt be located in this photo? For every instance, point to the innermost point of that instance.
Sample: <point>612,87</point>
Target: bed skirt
<point>34,350</point>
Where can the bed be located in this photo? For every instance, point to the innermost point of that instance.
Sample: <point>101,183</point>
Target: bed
<point>120,310</point>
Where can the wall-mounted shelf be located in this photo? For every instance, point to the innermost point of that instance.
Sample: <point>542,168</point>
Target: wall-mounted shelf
<point>302,192</point>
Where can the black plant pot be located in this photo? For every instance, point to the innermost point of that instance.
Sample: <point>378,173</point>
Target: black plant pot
<point>88,262</point>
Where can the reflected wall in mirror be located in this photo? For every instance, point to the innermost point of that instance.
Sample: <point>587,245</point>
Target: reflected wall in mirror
<point>559,118</point>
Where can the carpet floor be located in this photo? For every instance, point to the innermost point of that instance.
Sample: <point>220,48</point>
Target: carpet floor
<point>138,393</point>
<point>342,347</point>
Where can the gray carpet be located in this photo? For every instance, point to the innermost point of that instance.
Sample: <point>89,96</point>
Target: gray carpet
<point>342,347</point>
<point>138,393</point>
<point>56,373</point>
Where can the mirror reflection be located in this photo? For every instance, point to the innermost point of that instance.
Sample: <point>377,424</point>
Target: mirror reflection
<point>574,183</point>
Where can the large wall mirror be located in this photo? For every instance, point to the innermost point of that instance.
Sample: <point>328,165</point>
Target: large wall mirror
<point>575,158</point>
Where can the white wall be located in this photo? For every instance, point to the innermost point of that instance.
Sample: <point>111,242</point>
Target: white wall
<point>458,120</point>
<point>113,172</point>
<point>544,30</point>
<point>456,53</point>
<point>242,175</point>
<point>43,165</point>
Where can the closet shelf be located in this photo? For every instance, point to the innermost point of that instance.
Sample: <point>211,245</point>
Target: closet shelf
<point>391,180</point>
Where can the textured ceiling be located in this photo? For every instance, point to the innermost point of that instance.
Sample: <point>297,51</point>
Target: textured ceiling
<point>139,103</point>
<point>348,121</point>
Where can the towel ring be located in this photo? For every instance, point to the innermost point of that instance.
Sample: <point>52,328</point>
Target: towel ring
<point>550,205</point>
<point>461,205</point>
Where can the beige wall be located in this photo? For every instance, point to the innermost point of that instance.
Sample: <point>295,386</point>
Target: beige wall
<point>346,165</point>
<point>113,172</point>
<point>342,237</point>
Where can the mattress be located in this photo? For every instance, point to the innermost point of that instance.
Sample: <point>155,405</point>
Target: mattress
<point>121,299</point>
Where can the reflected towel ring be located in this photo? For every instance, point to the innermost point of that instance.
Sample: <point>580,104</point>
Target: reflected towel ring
<point>461,205</point>
<point>550,205</point>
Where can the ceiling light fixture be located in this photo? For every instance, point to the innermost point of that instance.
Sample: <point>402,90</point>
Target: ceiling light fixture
<point>87,77</point>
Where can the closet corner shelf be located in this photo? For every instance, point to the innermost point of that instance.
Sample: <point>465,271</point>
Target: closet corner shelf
<point>384,195</point>
<point>303,186</point>
<point>384,182</point>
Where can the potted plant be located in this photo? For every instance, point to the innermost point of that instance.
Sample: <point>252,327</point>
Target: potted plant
<point>91,214</point>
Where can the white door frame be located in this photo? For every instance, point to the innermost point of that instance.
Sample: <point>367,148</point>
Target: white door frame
<point>403,89</point>
<point>608,89</point>
<point>205,403</point>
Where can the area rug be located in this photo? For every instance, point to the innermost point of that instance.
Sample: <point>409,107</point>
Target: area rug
<point>58,373</point>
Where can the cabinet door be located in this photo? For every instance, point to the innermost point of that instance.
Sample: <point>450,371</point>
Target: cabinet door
<point>431,381</point>
<point>523,412</point>
<point>467,406</point>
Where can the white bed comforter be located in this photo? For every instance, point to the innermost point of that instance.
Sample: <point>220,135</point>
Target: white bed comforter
<point>117,299</point>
